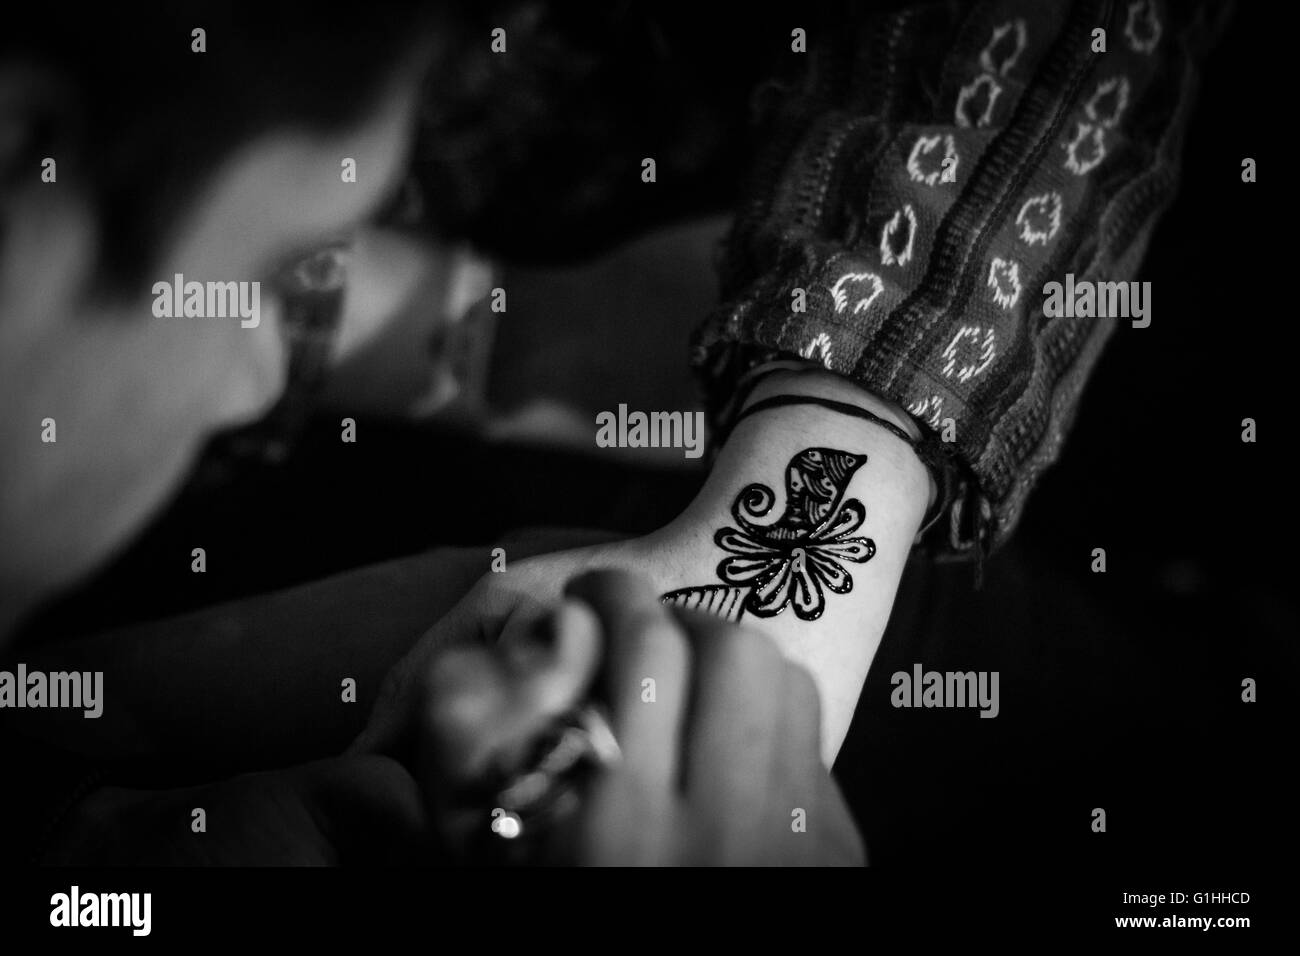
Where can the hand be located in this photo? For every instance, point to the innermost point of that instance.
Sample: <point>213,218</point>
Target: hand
<point>500,608</point>
<point>721,768</point>
<point>344,810</point>
<point>828,615</point>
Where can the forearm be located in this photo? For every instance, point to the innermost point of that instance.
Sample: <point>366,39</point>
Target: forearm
<point>834,627</point>
<point>257,681</point>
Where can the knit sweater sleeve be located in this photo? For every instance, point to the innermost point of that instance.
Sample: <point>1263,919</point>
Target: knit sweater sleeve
<point>914,193</point>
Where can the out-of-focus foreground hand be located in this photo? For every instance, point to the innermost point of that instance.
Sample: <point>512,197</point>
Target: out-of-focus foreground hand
<point>719,735</point>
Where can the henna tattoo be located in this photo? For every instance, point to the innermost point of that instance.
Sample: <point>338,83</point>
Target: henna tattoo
<point>796,558</point>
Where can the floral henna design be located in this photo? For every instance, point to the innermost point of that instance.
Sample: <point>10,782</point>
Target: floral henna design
<point>796,558</point>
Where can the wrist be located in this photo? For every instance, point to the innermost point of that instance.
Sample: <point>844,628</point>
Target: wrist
<point>802,531</point>
<point>816,382</point>
<point>821,383</point>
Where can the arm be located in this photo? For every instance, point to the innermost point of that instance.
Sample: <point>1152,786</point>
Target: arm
<point>253,682</point>
<point>819,576</point>
<point>836,645</point>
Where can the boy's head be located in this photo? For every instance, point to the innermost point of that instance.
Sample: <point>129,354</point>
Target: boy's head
<point>218,156</point>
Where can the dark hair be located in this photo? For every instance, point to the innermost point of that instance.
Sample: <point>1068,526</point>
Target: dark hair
<point>533,156</point>
<point>139,121</point>
<point>536,156</point>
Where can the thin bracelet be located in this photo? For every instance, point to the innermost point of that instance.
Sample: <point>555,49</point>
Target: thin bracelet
<point>846,408</point>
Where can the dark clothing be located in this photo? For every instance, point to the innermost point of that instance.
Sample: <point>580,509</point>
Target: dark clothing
<point>935,167</point>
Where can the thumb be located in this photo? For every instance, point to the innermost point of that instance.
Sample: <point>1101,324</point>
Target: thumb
<point>392,720</point>
<point>480,616</point>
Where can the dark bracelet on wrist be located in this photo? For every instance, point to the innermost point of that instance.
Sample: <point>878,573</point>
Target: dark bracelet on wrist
<point>929,453</point>
<point>845,408</point>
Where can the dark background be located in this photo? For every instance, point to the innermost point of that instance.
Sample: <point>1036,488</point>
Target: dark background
<point>1118,690</point>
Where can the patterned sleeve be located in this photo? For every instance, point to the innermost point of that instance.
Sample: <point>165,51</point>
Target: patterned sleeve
<point>932,169</point>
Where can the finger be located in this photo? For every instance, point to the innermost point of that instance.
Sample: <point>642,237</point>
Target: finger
<point>391,726</point>
<point>542,674</point>
<point>553,666</point>
<point>802,803</point>
<point>753,758</point>
<point>806,820</point>
<point>646,674</point>
<point>463,716</point>
<point>486,708</point>
<point>724,649</point>
<point>841,842</point>
<point>734,736</point>
<point>802,723</point>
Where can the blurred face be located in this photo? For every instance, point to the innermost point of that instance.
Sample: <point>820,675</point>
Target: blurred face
<point>130,397</point>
